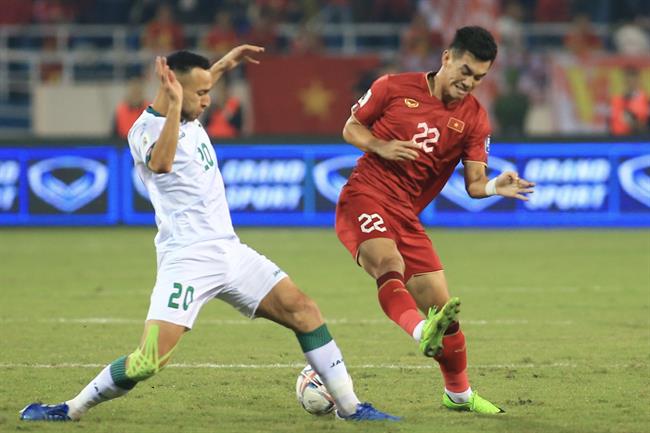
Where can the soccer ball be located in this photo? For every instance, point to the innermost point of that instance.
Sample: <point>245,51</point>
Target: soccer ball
<point>312,394</point>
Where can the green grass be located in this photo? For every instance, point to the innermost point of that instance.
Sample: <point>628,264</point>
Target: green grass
<point>557,326</point>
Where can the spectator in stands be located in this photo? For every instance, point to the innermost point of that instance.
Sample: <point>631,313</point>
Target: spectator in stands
<point>420,47</point>
<point>630,110</point>
<point>221,37</point>
<point>131,107</point>
<point>52,12</point>
<point>511,33</point>
<point>627,10</point>
<point>392,11</point>
<point>274,9</point>
<point>55,11</point>
<point>335,11</point>
<point>199,11</point>
<point>106,12</point>
<point>225,116</point>
<point>263,33</point>
<point>297,11</point>
<point>142,11</point>
<point>582,40</point>
<point>632,37</point>
<point>15,12</point>
<point>552,11</point>
<point>511,107</point>
<point>306,41</point>
<point>163,34</point>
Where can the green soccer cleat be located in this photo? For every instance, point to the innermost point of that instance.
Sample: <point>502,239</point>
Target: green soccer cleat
<point>435,326</point>
<point>476,404</point>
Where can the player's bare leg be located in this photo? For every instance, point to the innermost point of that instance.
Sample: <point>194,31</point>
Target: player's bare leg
<point>431,293</point>
<point>287,305</point>
<point>379,256</point>
<point>381,259</point>
<point>157,344</point>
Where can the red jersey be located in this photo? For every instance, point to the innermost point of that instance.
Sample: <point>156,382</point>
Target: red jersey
<point>402,107</point>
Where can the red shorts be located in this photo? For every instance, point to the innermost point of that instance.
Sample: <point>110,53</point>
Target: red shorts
<point>360,216</point>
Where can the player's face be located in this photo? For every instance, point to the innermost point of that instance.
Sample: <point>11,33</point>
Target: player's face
<point>463,72</point>
<point>196,98</point>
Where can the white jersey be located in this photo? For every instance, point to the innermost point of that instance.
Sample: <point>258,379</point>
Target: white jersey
<point>190,201</point>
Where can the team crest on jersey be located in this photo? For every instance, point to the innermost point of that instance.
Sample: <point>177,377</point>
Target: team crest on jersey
<point>411,103</point>
<point>455,124</point>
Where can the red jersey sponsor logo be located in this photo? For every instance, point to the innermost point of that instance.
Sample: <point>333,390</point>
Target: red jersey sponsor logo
<point>411,103</point>
<point>455,124</point>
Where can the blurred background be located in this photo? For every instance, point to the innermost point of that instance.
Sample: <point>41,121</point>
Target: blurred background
<point>573,75</point>
<point>562,64</point>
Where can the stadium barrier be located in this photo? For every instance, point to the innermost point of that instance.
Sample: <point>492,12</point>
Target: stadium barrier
<point>579,185</point>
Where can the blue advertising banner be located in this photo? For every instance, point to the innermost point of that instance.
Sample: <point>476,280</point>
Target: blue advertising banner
<point>66,186</point>
<point>578,185</point>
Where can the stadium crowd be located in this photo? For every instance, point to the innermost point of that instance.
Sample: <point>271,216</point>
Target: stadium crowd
<point>578,28</point>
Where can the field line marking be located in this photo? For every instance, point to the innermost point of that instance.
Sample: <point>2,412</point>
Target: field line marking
<point>340,321</point>
<point>560,365</point>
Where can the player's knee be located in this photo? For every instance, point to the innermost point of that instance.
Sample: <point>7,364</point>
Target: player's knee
<point>388,263</point>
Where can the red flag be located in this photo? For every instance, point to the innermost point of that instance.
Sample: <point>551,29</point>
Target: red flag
<point>305,94</point>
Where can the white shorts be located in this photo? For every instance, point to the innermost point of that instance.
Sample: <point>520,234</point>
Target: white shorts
<point>227,270</point>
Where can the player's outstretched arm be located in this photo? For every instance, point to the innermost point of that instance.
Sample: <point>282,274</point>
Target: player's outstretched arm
<point>507,184</point>
<point>170,95</point>
<point>361,137</point>
<point>233,58</point>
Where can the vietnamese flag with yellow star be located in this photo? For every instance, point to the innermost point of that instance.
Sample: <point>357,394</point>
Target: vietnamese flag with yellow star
<point>309,95</point>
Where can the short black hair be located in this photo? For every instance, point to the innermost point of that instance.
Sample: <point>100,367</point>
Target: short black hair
<point>184,61</point>
<point>477,41</point>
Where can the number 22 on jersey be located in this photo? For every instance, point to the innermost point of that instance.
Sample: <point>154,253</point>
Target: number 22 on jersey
<point>427,137</point>
<point>371,222</point>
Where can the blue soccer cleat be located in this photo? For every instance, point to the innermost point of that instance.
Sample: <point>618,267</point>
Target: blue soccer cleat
<point>365,412</point>
<point>45,412</point>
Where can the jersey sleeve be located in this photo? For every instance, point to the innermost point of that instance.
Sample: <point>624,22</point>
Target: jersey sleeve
<point>370,106</point>
<point>477,145</point>
<point>143,136</point>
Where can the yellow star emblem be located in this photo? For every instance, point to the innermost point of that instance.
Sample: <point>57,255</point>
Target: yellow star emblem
<point>316,99</point>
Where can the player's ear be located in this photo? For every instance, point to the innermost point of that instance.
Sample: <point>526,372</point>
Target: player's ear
<point>446,57</point>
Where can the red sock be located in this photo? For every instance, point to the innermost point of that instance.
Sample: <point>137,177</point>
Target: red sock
<point>397,302</point>
<point>453,360</point>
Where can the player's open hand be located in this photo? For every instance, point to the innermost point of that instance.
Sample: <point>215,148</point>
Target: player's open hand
<point>509,184</point>
<point>234,57</point>
<point>397,150</point>
<point>168,81</point>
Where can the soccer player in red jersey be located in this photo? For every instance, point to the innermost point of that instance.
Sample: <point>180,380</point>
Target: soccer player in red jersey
<point>414,129</point>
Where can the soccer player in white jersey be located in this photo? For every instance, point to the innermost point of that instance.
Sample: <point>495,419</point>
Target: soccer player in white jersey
<point>199,255</point>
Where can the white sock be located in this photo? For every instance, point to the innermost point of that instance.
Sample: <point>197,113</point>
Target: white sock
<point>100,389</point>
<point>327,361</point>
<point>460,397</point>
<point>417,332</point>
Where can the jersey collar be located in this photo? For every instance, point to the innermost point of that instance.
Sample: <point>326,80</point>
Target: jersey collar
<point>150,110</point>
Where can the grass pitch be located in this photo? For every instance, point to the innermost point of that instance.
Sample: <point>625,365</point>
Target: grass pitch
<point>557,326</point>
